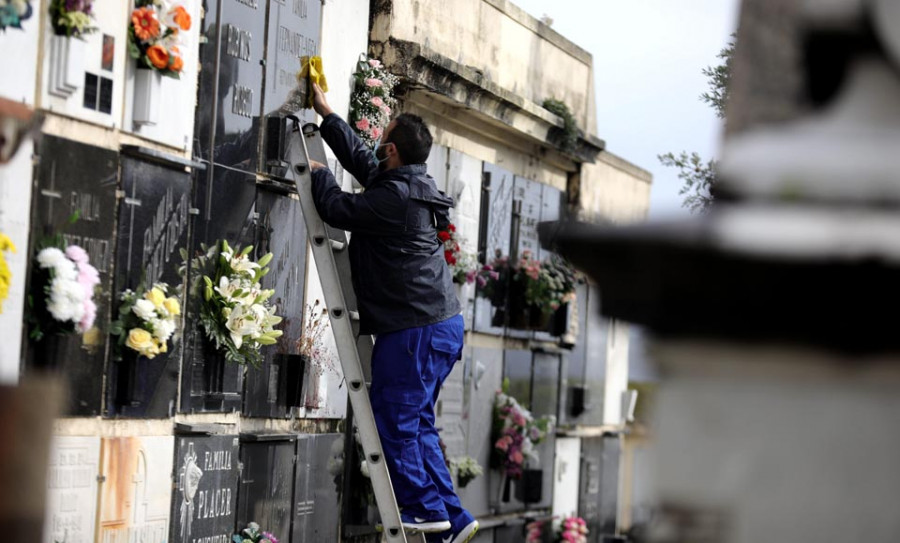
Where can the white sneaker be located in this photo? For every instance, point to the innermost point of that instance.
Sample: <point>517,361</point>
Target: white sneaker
<point>418,525</point>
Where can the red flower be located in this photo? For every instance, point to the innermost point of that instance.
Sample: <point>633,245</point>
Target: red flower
<point>451,228</point>
<point>448,256</point>
<point>443,235</point>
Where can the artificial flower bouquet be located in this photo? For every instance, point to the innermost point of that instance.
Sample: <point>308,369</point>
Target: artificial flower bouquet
<point>313,347</point>
<point>462,263</point>
<point>71,18</point>
<point>372,100</point>
<point>515,434</point>
<point>156,35</point>
<point>466,469</point>
<point>147,320</point>
<point>235,311</point>
<point>547,284</point>
<point>62,297</point>
<point>13,12</point>
<point>572,530</point>
<point>253,534</point>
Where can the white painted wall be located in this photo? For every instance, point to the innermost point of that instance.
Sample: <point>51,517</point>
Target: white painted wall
<point>175,127</point>
<point>566,473</point>
<point>345,27</point>
<point>15,214</point>
<point>616,372</point>
<point>21,47</point>
<point>109,18</point>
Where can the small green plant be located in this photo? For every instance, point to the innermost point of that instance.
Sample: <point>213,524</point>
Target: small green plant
<point>570,130</point>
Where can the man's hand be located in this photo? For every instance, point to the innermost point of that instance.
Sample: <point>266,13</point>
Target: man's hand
<point>320,104</point>
<point>313,165</point>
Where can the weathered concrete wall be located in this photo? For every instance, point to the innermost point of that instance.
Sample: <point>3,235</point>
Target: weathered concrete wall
<point>612,189</point>
<point>497,39</point>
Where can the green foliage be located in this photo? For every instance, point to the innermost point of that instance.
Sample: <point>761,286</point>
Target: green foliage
<point>719,77</point>
<point>698,178</point>
<point>570,127</point>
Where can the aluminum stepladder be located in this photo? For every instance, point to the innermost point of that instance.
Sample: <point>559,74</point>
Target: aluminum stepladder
<point>333,264</point>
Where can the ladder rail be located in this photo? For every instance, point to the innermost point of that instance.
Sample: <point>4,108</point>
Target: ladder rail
<point>327,255</point>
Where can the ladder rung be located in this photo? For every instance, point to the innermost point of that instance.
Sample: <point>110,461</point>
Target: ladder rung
<point>337,245</point>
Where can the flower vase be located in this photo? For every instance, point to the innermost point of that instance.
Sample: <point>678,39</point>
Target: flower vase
<point>147,96</point>
<point>529,488</point>
<point>127,376</point>
<point>66,65</point>
<point>48,353</point>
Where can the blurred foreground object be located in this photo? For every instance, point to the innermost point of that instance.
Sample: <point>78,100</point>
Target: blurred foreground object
<point>776,420</point>
<point>26,420</point>
<point>17,121</point>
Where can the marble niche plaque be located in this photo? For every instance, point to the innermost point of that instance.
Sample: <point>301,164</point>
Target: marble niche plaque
<point>74,179</point>
<point>152,230</point>
<point>204,494</point>
<point>72,489</point>
<point>136,488</point>
<point>495,226</point>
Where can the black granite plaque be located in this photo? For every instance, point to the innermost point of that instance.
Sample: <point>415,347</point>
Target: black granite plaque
<point>572,393</point>
<point>494,233</point>
<point>590,484</point>
<point>599,487</point>
<point>152,230</point>
<point>316,492</point>
<point>265,495</point>
<point>273,390</point>
<point>609,488</point>
<point>598,329</point>
<point>517,367</point>
<point>74,177</point>
<point>294,28</point>
<point>204,499</point>
<point>545,390</point>
<point>231,84</point>
<point>226,209</point>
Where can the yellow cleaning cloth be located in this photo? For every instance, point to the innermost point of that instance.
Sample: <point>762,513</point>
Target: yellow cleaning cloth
<point>311,71</point>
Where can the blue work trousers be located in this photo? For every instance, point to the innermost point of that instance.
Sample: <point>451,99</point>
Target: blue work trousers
<point>408,368</point>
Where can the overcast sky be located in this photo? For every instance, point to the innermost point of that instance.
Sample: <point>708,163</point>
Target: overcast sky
<point>648,57</point>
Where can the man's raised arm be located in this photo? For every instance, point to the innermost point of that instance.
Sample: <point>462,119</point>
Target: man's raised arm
<point>350,151</point>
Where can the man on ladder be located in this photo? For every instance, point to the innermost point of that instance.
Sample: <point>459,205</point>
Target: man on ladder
<point>406,298</point>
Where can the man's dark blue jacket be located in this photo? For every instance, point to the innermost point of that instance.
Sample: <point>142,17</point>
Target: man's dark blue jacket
<point>397,263</point>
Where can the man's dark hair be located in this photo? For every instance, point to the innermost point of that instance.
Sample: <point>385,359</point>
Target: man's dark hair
<point>412,138</point>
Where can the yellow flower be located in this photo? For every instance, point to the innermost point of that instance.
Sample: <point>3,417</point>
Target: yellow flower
<point>172,306</point>
<point>161,346</point>
<point>6,244</point>
<point>141,341</point>
<point>156,297</point>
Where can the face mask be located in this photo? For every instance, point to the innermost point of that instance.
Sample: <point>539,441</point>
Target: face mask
<point>378,160</point>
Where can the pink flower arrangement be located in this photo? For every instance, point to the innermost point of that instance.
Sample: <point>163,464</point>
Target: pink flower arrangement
<point>534,532</point>
<point>63,291</point>
<point>572,530</point>
<point>372,100</point>
<point>516,433</point>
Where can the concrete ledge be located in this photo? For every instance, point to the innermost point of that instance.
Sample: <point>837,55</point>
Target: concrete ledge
<point>422,68</point>
<point>525,19</point>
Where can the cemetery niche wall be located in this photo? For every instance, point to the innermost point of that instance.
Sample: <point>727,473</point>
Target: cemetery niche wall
<point>249,61</point>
